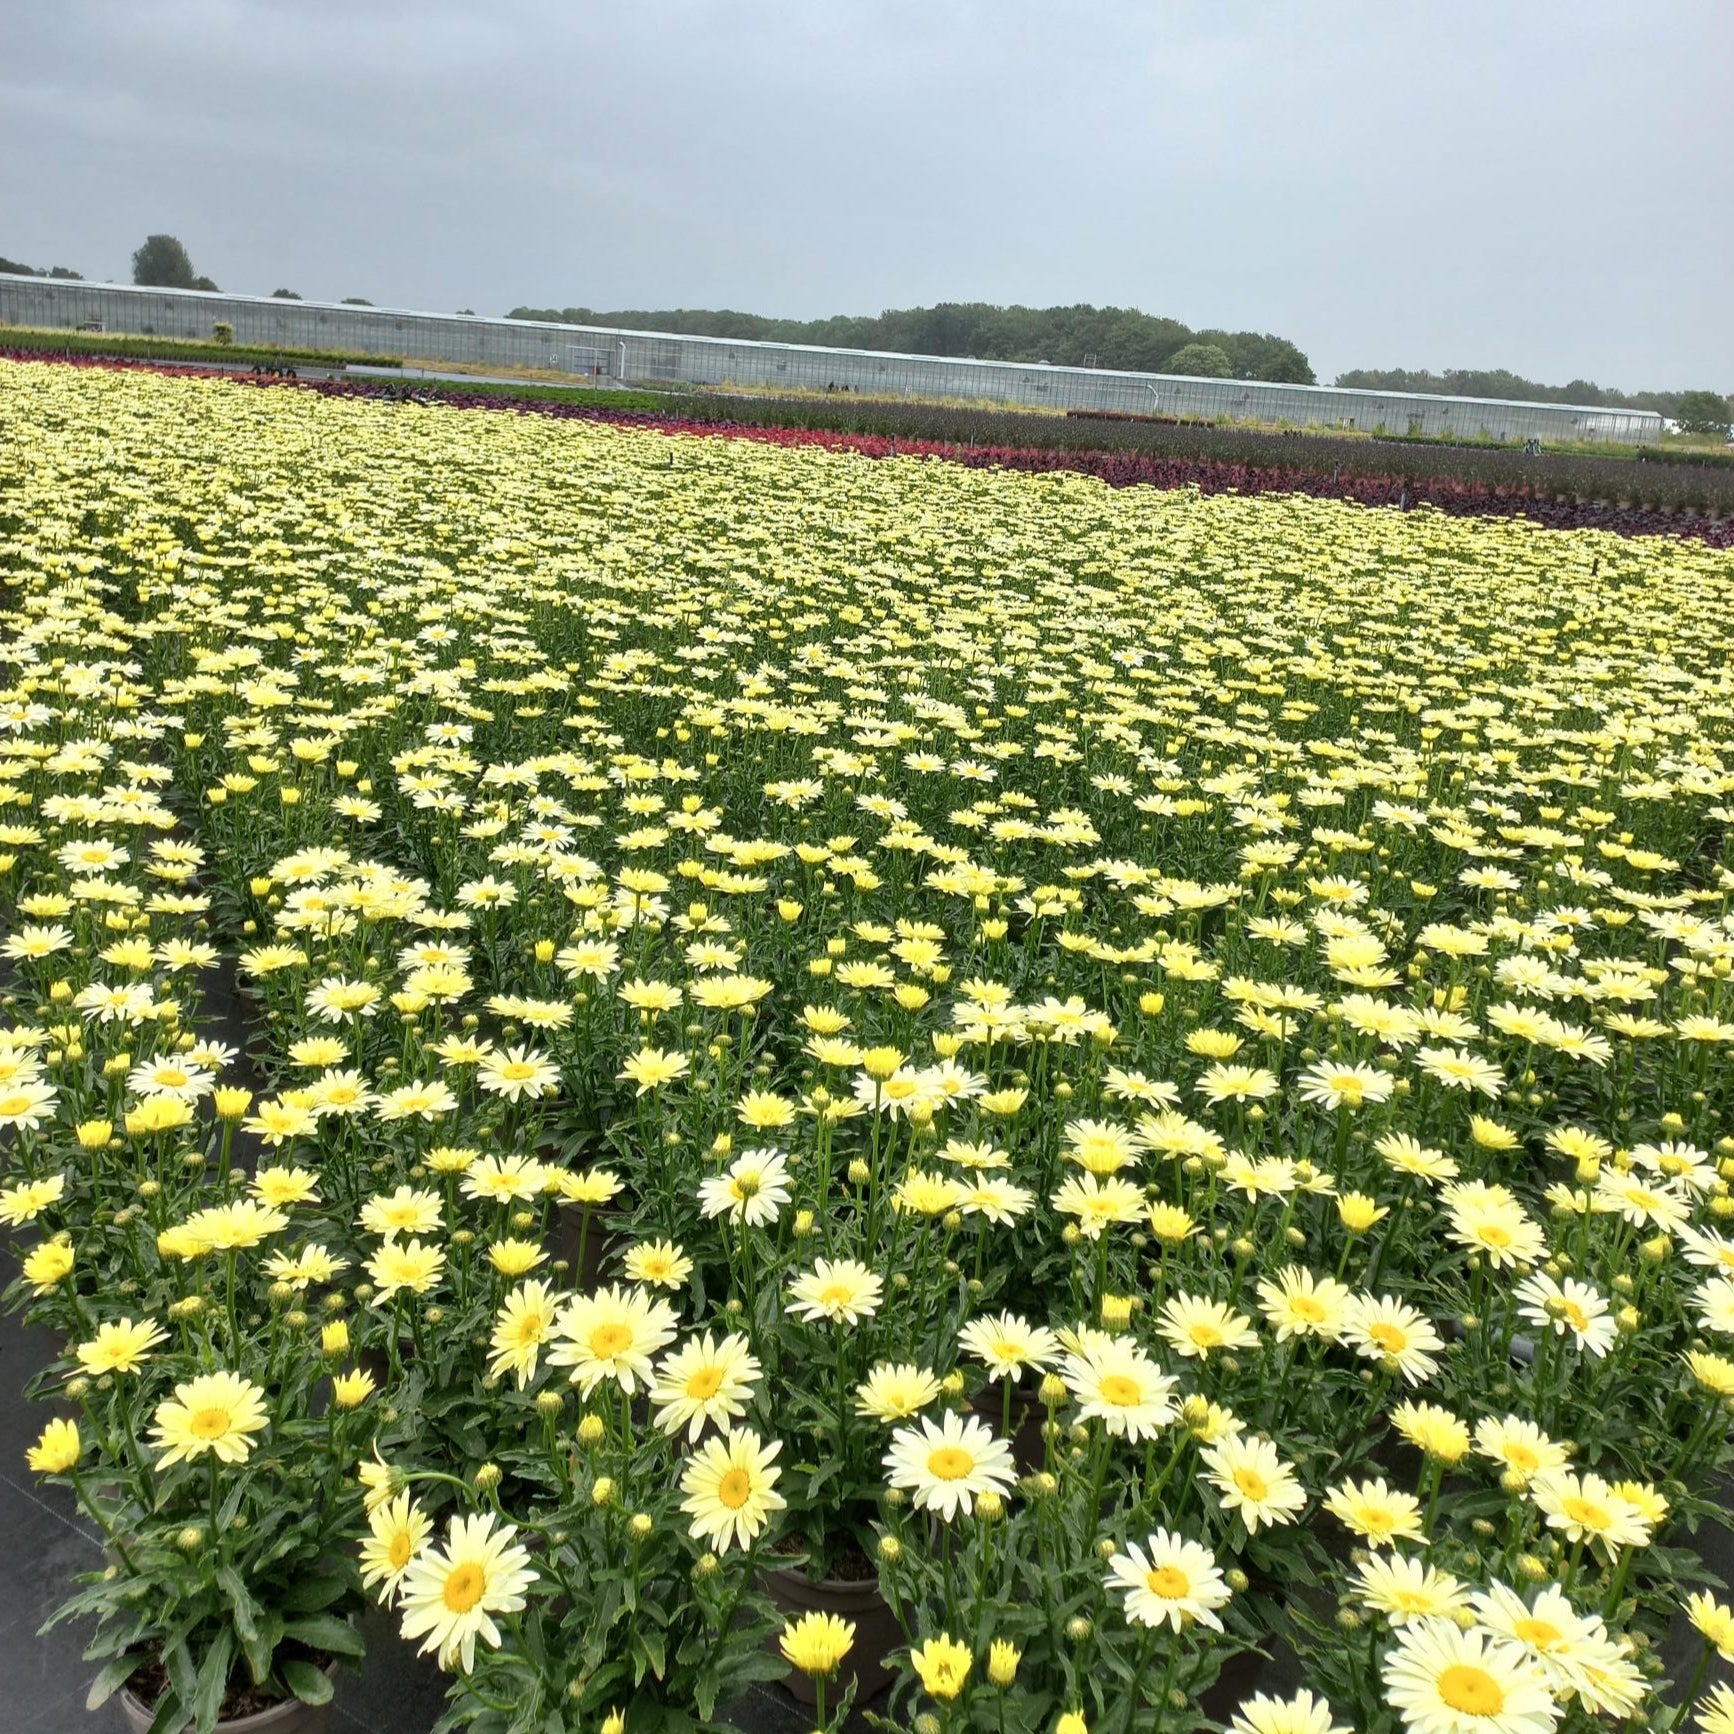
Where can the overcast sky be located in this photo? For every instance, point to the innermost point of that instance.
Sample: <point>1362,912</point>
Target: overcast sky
<point>1536,184</point>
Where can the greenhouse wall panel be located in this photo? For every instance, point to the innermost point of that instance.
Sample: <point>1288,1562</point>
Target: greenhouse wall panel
<point>656,358</point>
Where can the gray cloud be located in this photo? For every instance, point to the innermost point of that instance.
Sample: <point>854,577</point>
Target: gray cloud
<point>1537,185</point>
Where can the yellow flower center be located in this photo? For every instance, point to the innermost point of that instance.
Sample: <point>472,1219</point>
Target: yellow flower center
<point>1471,1690</point>
<point>398,1553</point>
<point>209,1423</point>
<point>607,1341</point>
<point>1538,1633</point>
<point>704,1383</point>
<point>517,1070</point>
<point>1586,1512</point>
<point>1252,1485</point>
<point>1522,1458</point>
<point>1574,1315</point>
<point>835,1294</point>
<point>1168,1582</point>
<point>1387,1337</point>
<point>1303,1306</point>
<point>950,1463</point>
<point>735,1489</point>
<point>1123,1391</point>
<point>463,1589</point>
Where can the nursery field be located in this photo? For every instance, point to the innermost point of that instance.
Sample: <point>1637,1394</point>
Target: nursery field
<point>1095,1100</point>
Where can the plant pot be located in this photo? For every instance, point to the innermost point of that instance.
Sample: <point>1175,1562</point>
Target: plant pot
<point>289,1717</point>
<point>1242,1675</point>
<point>1029,1416</point>
<point>877,1632</point>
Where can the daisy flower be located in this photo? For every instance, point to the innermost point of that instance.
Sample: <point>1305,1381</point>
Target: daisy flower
<point>1252,1479</point>
<point>1301,1714</point>
<point>1379,1514</point>
<point>523,1324</point>
<point>1443,1680</point>
<point>948,1465</point>
<point>1169,1581</point>
<point>611,1334</point>
<point>1569,1308</point>
<point>752,1189</point>
<point>397,1531</point>
<point>449,1596</point>
<point>838,1290</point>
<point>730,1485</point>
<point>215,1412</point>
<point>1007,1344</point>
<point>1116,1383</point>
<point>1389,1331</point>
<point>1404,1589</point>
<point>704,1382</point>
<point>894,1393</point>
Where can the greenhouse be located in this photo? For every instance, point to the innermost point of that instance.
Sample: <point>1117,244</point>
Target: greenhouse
<point>652,358</point>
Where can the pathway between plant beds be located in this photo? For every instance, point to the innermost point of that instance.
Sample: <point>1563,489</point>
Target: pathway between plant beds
<point>1117,469</point>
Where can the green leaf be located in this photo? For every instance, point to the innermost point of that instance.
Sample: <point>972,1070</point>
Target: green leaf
<point>310,1684</point>
<point>310,1594</point>
<point>183,1676</point>
<point>704,1691</point>
<point>241,1604</point>
<point>213,1684</point>
<point>326,1632</point>
<point>260,1649</point>
<point>111,1679</point>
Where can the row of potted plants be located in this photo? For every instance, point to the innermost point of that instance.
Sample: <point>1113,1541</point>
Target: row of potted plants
<point>878,1118</point>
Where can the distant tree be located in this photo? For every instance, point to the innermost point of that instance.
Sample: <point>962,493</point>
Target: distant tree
<point>1200,361</point>
<point>1704,412</point>
<point>60,272</point>
<point>466,312</point>
<point>285,295</point>
<point>207,285</point>
<point>355,301</point>
<point>163,263</point>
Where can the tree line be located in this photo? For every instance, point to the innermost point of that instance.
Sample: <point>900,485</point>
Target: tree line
<point>1077,336</point>
<point>1684,406</point>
